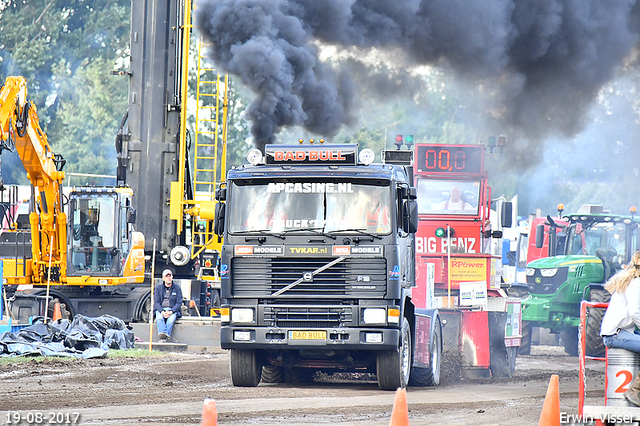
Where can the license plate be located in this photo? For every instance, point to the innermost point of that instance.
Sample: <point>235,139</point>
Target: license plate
<point>307,335</point>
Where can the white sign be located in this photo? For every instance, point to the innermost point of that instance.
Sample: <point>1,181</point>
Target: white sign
<point>473,293</point>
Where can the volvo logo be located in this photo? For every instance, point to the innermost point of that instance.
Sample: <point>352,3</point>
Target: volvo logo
<point>307,277</point>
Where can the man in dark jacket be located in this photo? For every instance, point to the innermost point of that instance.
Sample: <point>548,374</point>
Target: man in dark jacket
<point>167,304</point>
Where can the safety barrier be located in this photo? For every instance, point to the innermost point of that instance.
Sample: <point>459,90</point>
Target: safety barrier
<point>582,351</point>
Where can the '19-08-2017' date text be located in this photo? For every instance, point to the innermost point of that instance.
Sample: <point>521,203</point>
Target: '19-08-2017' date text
<point>40,418</point>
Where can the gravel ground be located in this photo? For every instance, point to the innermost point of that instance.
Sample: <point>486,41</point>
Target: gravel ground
<point>169,389</point>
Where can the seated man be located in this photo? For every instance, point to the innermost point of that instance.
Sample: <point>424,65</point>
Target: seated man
<point>455,202</point>
<point>167,305</point>
<point>90,229</point>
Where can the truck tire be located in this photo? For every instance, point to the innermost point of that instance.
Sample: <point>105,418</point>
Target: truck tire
<point>272,374</point>
<point>246,370</point>
<point>394,367</point>
<point>430,376</point>
<point>525,342</point>
<point>569,339</point>
<point>595,346</point>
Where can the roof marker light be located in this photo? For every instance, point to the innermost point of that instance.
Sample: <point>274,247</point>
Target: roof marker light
<point>254,156</point>
<point>366,156</point>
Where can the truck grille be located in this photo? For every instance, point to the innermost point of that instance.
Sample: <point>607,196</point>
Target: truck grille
<point>352,277</point>
<point>547,285</point>
<point>316,316</point>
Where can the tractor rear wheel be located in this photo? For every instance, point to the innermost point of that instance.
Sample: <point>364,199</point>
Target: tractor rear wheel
<point>525,342</point>
<point>595,346</point>
<point>569,339</point>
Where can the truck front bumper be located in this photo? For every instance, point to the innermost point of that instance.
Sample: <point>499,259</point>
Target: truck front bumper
<point>371,339</point>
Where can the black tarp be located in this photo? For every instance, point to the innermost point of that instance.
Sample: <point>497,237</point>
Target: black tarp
<point>84,337</point>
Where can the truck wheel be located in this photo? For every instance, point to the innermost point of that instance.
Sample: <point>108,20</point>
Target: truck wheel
<point>430,376</point>
<point>525,342</point>
<point>569,339</point>
<point>272,374</point>
<point>595,346</point>
<point>394,367</point>
<point>245,368</point>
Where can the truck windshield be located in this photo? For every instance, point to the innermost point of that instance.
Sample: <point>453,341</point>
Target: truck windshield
<point>440,196</point>
<point>309,207</point>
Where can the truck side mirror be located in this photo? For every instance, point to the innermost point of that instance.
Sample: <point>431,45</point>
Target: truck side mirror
<point>221,194</point>
<point>410,216</point>
<point>131,215</point>
<point>409,193</point>
<point>540,235</point>
<point>506,214</point>
<point>218,223</point>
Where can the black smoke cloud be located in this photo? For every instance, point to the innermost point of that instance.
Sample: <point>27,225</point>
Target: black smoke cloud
<point>546,59</point>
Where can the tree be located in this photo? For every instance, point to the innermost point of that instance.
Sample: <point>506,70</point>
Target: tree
<point>66,49</point>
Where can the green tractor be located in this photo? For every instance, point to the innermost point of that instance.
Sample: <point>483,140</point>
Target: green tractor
<point>588,251</point>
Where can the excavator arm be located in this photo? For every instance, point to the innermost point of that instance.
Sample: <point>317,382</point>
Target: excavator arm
<point>20,130</point>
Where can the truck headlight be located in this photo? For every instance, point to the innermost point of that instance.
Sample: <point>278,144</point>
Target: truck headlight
<point>374,315</point>
<point>242,315</point>
<point>550,272</point>
<point>530,272</point>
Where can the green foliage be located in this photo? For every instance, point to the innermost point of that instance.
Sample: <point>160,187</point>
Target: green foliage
<point>368,138</point>
<point>66,49</point>
<point>90,104</point>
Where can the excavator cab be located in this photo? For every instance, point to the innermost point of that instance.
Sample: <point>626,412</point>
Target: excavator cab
<point>101,235</point>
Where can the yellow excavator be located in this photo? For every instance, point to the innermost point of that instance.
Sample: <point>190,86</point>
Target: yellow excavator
<point>92,249</point>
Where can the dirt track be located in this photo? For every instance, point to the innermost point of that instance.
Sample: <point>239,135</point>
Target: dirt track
<point>170,389</point>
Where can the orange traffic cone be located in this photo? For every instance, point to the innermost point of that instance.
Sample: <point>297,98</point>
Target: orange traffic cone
<point>57,314</point>
<point>550,415</point>
<point>400,414</point>
<point>209,413</point>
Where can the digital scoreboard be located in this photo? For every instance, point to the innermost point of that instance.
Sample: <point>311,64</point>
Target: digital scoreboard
<point>449,159</point>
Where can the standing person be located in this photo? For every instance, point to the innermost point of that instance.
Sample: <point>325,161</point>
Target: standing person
<point>455,202</point>
<point>622,318</point>
<point>167,305</point>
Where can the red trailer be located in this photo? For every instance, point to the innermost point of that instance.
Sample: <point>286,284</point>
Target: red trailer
<point>456,244</point>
